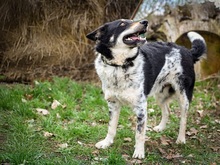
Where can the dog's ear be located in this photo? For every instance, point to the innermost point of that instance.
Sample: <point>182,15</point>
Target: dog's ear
<point>95,35</point>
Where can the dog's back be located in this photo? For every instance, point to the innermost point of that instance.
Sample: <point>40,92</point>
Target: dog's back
<point>179,61</point>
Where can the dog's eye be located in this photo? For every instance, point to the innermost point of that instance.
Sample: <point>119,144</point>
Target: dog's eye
<point>122,24</point>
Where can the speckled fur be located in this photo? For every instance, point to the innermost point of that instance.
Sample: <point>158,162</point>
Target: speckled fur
<point>163,70</point>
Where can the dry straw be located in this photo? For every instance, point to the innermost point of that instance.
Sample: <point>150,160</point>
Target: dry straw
<point>46,37</point>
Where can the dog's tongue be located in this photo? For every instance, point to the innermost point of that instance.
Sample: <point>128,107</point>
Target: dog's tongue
<point>135,38</point>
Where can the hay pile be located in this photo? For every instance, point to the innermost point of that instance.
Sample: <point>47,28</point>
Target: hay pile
<point>42,38</point>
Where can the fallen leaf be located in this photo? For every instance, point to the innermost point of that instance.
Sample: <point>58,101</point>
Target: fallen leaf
<point>30,122</point>
<point>64,145</point>
<point>63,106</point>
<point>94,124</point>
<point>177,156</point>
<point>125,156</point>
<point>162,151</point>
<point>48,134</point>
<point>127,139</point>
<point>148,128</point>
<point>96,152</point>
<point>190,156</point>
<point>136,161</point>
<point>217,121</point>
<point>23,100</point>
<point>213,163</point>
<point>120,126</point>
<point>150,110</point>
<point>42,111</point>
<point>193,137</point>
<point>28,97</point>
<point>200,112</point>
<point>100,159</point>
<point>147,138</point>
<point>215,149</point>
<point>203,126</point>
<point>36,83</point>
<point>191,132</point>
<point>164,141</point>
<point>55,104</point>
<point>80,143</point>
<point>58,116</point>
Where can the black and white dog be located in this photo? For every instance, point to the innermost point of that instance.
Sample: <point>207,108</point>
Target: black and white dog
<point>131,69</point>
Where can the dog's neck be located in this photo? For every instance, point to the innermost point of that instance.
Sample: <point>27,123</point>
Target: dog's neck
<point>121,58</point>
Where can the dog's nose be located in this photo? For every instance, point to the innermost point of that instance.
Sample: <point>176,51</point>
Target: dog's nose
<point>144,22</point>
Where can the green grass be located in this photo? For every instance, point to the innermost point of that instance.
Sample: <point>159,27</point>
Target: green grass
<point>82,120</point>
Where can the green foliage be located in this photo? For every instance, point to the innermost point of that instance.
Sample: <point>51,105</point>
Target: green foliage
<point>77,117</point>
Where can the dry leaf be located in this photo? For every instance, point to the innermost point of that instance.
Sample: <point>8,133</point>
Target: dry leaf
<point>193,137</point>
<point>177,156</point>
<point>63,106</point>
<point>201,113</point>
<point>64,145</point>
<point>203,126</point>
<point>164,141</point>
<point>147,138</point>
<point>23,100</point>
<point>215,149</point>
<point>127,139</point>
<point>100,159</point>
<point>96,152</point>
<point>190,156</point>
<point>192,131</point>
<point>213,163</point>
<point>42,111</point>
<point>80,143</point>
<point>120,126</point>
<point>125,156</point>
<point>55,104</point>
<point>150,110</point>
<point>94,124</point>
<point>58,116</point>
<point>136,161</point>
<point>217,121</point>
<point>28,97</point>
<point>48,134</point>
<point>162,151</point>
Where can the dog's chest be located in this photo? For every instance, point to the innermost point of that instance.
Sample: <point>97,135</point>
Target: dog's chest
<point>121,84</point>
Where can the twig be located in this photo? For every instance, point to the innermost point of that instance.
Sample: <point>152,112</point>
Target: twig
<point>136,10</point>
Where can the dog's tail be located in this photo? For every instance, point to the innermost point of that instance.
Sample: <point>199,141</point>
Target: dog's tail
<point>198,49</point>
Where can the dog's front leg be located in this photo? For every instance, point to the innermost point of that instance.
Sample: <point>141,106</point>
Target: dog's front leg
<point>140,130</point>
<point>114,111</point>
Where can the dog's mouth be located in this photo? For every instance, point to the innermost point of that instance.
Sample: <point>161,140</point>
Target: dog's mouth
<point>135,38</point>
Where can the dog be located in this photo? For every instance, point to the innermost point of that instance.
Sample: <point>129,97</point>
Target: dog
<point>131,69</point>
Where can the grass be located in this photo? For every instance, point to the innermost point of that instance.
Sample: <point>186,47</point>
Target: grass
<point>66,134</point>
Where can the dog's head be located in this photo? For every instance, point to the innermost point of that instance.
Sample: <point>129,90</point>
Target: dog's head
<point>123,34</point>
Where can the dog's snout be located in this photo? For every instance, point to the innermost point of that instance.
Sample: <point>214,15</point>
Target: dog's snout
<point>144,22</point>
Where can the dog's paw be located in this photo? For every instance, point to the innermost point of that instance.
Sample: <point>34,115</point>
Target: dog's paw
<point>139,154</point>
<point>103,144</point>
<point>159,128</point>
<point>181,140</point>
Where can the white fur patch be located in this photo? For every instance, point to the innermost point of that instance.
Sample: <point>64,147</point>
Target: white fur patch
<point>169,72</point>
<point>193,36</point>
<point>112,38</point>
<point>118,85</point>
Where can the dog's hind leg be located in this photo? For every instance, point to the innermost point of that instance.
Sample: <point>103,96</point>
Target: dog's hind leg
<point>184,106</point>
<point>140,130</point>
<point>114,111</point>
<point>165,116</point>
<point>163,99</point>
